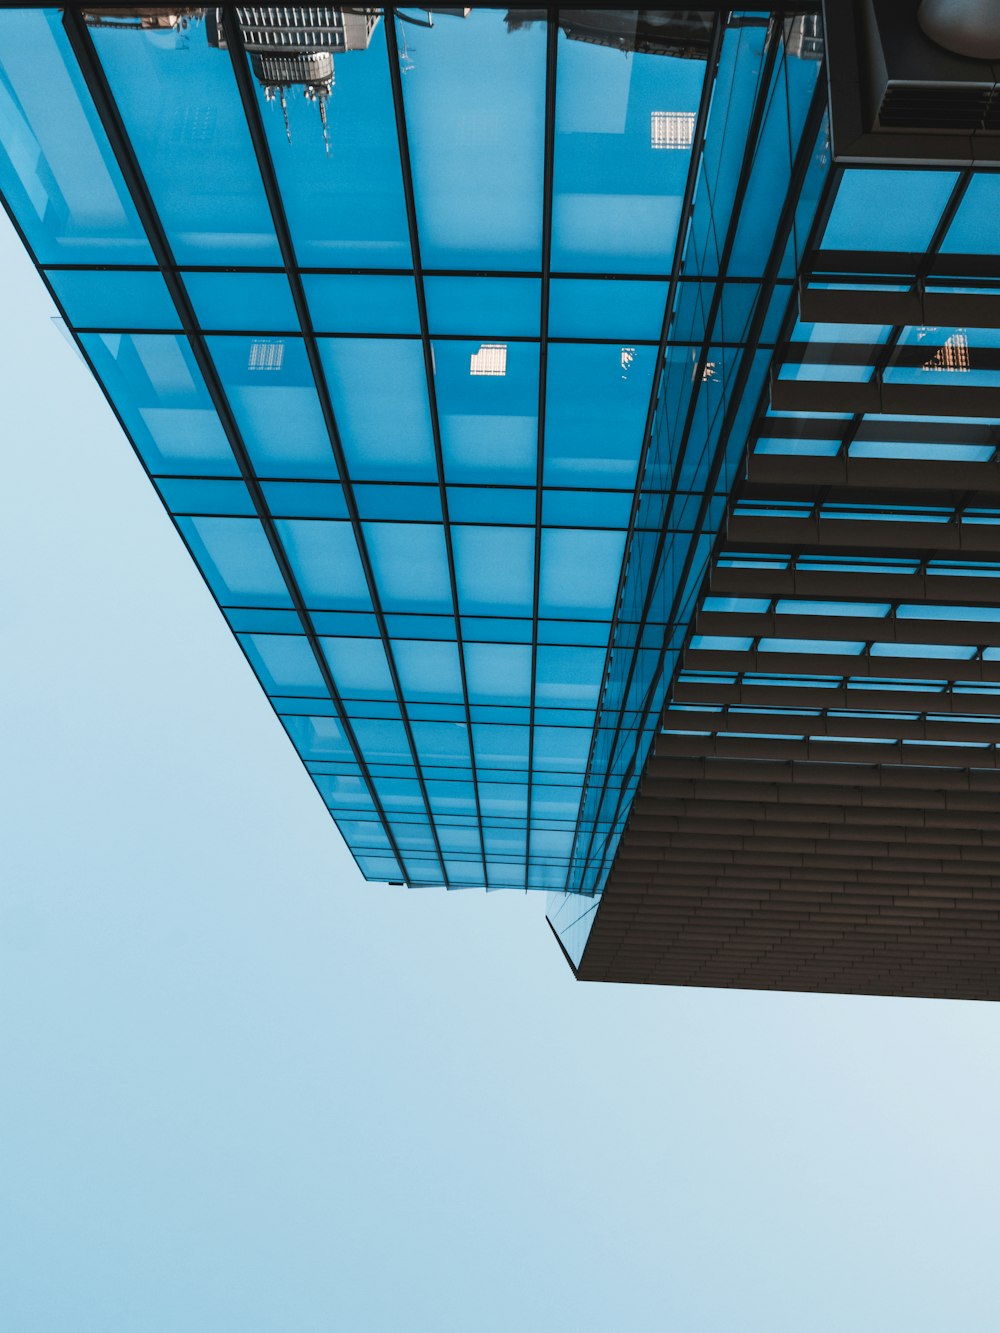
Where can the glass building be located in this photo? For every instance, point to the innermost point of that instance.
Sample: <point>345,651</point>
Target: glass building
<point>583,420</point>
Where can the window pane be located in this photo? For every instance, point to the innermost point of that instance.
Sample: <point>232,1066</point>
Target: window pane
<point>624,129</point>
<point>379,392</point>
<point>579,573</point>
<point>161,396</point>
<point>284,664</point>
<point>326,564</point>
<point>236,559</point>
<point>477,142</point>
<point>250,302</point>
<point>106,299</point>
<point>488,409</point>
<point>362,303</point>
<point>344,203</point>
<point>410,566</point>
<point>906,204</point>
<point>271,390</point>
<point>56,169</point>
<point>494,568</point>
<point>487,307</point>
<point>583,308</point>
<point>596,409</point>
<point>181,108</point>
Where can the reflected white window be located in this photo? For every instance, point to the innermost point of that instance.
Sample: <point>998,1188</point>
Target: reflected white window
<point>491,359</point>
<point>953,354</point>
<point>266,354</point>
<point>671,129</point>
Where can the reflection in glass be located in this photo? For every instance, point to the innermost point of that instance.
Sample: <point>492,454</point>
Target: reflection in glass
<point>56,168</point>
<point>475,99</point>
<point>627,95</point>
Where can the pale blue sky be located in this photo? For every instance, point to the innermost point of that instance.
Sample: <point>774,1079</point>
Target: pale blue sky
<point>240,1090</point>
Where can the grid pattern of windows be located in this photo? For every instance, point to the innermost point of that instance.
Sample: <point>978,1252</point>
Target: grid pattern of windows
<point>387,344</point>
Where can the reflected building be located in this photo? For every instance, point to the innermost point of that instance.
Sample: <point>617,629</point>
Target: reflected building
<point>292,47</point>
<point>597,468</point>
<point>146,18</point>
<point>683,33</point>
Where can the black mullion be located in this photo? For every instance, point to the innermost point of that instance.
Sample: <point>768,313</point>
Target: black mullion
<point>238,59</point>
<point>104,103</point>
<point>551,53</point>
<point>806,148</point>
<point>690,185</point>
<point>389,26</point>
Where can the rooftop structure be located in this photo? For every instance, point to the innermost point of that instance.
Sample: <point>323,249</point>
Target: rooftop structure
<point>592,454</point>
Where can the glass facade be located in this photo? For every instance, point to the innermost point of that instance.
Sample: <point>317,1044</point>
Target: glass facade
<point>443,345</point>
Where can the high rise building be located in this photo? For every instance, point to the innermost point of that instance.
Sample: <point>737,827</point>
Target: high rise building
<point>592,453</point>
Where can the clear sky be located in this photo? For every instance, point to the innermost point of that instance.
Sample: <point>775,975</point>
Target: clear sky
<point>241,1091</point>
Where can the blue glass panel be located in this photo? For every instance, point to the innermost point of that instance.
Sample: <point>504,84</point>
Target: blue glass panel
<point>498,673</point>
<point>486,307</point>
<point>284,663</point>
<point>491,504</point>
<point>161,397</point>
<point>504,799</point>
<point>382,741</point>
<point>273,396</point>
<point>908,205</point>
<point>359,667</point>
<point>268,622</point>
<point>624,128</point>
<point>487,396</point>
<point>494,569</point>
<point>464,874</point>
<point>457,801</point>
<point>428,671</point>
<point>458,839</point>
<point>441,742</point>
<point>322,738</point>
<point>596,406</point>
<point>303,499</point>
<point>506,629</point>
<point>579,572</point>
<point>377,869</point>
<point>477,142</point>
<point>974,230</point>
<point>579,509</point>
<point>182,110</point>
<point>410,566</point>
<point>250,302</point>
<point>420,627</point>
<point>342,188</point>
<point>621,311</point>
<point>959,652</point>
<point>499,746</point>
<point>362,303</point>
<point>568,676</point>
<point>379,392</point>
<point>56,169</point>
<point>324,558</point>
<point>184,495</point>
<point>236,559</point>
<point>110,299</point>
<point>418,502</point>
